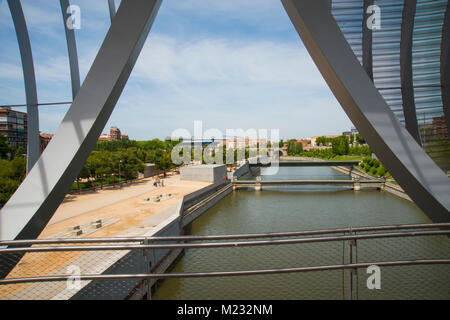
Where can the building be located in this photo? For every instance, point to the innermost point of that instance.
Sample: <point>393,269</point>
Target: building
<point>104,137</point>
<point>44,139</point>
<point>13,125</point>
<point>305,144</point>
<point>114,134</point>
<point>440,127</point>
<point>244,143</point>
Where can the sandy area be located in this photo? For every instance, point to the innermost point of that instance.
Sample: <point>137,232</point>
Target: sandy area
<point>123,206</point>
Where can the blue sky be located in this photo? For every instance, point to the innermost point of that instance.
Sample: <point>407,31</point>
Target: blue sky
<point>230,63</point>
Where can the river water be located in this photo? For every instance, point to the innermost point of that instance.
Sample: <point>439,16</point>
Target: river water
<point>309,208</point>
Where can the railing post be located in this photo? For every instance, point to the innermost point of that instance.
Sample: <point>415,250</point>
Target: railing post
<point>351,243</point>
<point>148,270</point>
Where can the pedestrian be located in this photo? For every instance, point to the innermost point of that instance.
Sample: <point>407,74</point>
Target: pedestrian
<point>165,174</point>
<point>162,182</point>
<point>154,183</point>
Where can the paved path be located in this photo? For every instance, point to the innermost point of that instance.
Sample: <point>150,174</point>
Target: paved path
<point>75,205</point>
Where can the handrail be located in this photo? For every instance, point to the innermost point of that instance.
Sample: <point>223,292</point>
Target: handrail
<point>224,237</point>
<point>224,244</point>
<point>221,273</point>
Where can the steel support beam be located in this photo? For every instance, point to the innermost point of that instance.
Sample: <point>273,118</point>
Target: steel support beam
<point>367,57</point>
<point>35,201</point>
<point>112,9</point>
<point>26,55</point>
<point>71,48</point>
<point>406,75</point>
<point>416,173</point>
<point>445,67</point>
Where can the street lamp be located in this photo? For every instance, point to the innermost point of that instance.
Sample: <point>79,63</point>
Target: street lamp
<point>120,183</point>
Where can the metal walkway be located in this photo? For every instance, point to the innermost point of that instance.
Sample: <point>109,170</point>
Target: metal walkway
<point>37,283</point>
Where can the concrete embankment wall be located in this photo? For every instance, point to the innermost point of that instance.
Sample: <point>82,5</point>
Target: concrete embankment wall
<point>242,170</point>
<point>134,261</point>
<point>389,187</point>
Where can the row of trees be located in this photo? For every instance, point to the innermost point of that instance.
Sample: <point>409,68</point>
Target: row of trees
<point>340,146</point>
<point>294,148</point>
<point>12,170</point>
<point>127,157</point>
<point>325,141</point>
<point>374,167</point>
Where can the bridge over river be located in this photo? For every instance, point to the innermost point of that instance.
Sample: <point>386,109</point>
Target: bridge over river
<point>354,184</point>
<point>307,164</point>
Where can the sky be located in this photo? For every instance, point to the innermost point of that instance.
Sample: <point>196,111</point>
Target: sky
<point>228,63</point>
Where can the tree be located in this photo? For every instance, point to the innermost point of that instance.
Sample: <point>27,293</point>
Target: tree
<point>291,147</point>
<point>298,147</point>
<point>340,145</point>
<point>5,148</point>
<point>360,139</point>
<point>321,141</point>
<point>12,174</point>
<point>19,152</point>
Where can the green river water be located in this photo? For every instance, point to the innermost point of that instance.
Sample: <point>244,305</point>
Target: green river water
<point>303,208</point>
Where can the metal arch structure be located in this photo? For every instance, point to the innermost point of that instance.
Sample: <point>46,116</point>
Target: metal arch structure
<point>367,58</point>
<point>71,49</point>
<point>445,67</point>
<point>112,9</point>
<point>406,73</point>
<point>414,170</point>
<point>29,78</point>
<point>37,198</point>
<point>32,206</point>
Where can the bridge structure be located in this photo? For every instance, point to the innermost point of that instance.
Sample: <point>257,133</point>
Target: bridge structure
<point>51,174</point>
<point>354,184</point>
<point>350,164</point>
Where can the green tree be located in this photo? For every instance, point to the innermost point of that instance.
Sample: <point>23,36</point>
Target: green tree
<point>360,139</point>
<point>12,174</point>
<point>298,147</point>
<point>5,148</point>
<point>340,146</point>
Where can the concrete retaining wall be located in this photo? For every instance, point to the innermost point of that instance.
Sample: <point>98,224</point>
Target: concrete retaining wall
<point>243,169</point>
<point>134,262</point>
<point>213,173</point>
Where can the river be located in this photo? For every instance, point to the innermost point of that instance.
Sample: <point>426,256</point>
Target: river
<point>309,208</point>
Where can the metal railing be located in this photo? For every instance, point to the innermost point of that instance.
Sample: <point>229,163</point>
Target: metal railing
<point>148,245</point>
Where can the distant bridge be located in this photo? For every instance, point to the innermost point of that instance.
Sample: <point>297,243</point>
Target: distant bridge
<point>309,164</point>
<point>354,184</point>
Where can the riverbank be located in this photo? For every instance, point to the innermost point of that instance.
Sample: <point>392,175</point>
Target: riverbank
<point>357,173</point>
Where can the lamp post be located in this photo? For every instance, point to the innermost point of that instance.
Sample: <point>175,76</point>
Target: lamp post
<point>120,183</point>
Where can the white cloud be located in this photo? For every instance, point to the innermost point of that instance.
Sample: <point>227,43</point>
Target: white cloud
<point>11,71</point>
<point>227,84</point>
<point>165,60</point>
